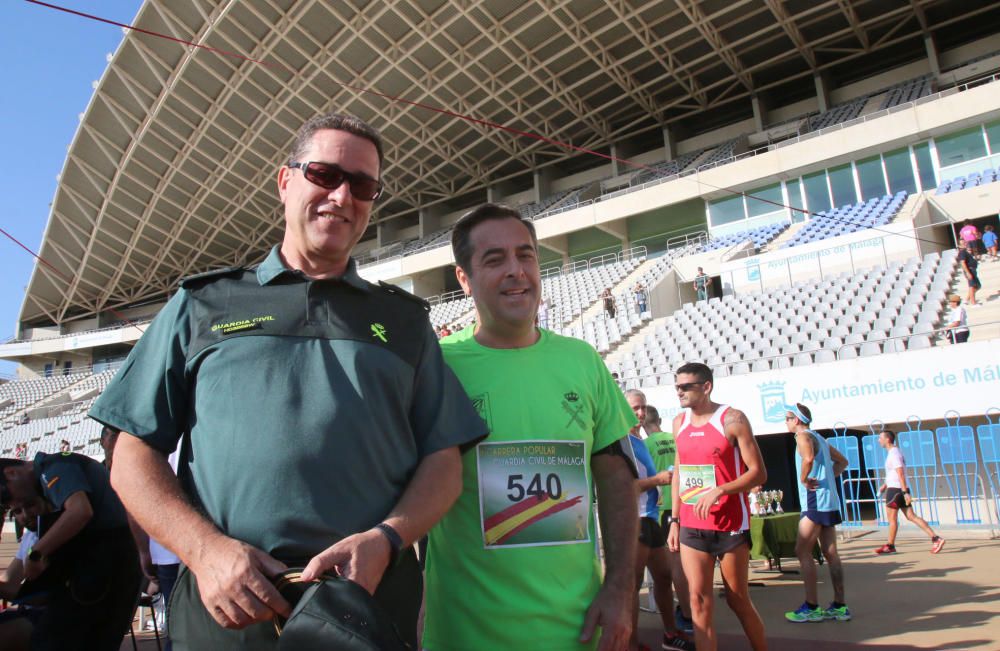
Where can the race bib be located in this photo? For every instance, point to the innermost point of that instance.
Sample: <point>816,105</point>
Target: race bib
<point>533,493</point>
<point>695,482</point>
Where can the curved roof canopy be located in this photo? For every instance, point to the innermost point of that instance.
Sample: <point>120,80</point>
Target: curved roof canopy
<point>172,170</point>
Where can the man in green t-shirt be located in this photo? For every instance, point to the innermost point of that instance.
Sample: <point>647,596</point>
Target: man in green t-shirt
<point>663,449</point>
<point>514,564</point>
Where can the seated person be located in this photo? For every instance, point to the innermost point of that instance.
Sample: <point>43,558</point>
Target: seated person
<point>16,623</point>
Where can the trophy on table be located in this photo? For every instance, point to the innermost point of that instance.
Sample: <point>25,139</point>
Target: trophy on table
<point>778,495</point>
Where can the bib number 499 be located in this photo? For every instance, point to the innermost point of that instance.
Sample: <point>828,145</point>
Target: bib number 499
<point>694,482</point>
<point>517,490</point>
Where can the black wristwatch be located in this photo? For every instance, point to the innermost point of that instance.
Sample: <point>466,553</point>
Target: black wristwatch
<point>34,556</point>
<point>673,520</point>
<point>395,541</point>
<point>906,492</point>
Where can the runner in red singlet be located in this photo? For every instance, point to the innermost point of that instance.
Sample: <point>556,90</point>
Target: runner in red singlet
<point>718,462</point>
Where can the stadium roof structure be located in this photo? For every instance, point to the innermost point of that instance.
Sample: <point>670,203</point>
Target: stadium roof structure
<point>172,170</point>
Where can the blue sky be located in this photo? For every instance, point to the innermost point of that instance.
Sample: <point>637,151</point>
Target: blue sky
<point>51,58</point>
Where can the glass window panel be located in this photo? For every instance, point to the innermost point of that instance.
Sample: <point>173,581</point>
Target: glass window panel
<point>795,199</point>
<point>900,171</point>
<point>925,167</point>
<point>817,192</point>
<point>993,135</point>
<point>755,208</point>
<point>842,185</point>
<point>871,178</point>
<point>960,147</point>
<point>726,211</point>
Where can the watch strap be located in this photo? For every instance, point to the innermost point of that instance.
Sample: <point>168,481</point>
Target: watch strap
<point>395,541</point>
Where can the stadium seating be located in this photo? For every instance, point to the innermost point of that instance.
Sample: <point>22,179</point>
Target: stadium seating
<point>70,423</point>
<point>906,92</point>
<point>761,236</point>
<point>454,312</point>
<point>972,180</point>
<point>570,294</point>
<point>849,219</point>
<point>807,323</point>
<point>837,114</point>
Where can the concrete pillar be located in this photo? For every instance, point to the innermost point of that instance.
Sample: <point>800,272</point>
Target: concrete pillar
<point>616,153</point>
<point>669,144</point>
<point>430,219</point>
<point>759,112</point>
<point>386,232</point>
<point>822,92</point>
<point>932,56</point>
<point>543,183</point>
<point>492,194</point>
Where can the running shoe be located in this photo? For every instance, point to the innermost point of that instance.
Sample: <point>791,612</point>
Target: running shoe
<point>805,614</point>
<point>937,542</point>
<point>886,549</point>
<point>675,642</point>
<point>841,614</point>
<point>683,623</point>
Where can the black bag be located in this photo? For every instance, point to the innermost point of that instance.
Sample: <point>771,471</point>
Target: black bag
<point>333,613</point>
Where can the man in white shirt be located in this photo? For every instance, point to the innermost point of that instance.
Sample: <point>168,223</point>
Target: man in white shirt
<point>897,496</point>
<point>16,623</point>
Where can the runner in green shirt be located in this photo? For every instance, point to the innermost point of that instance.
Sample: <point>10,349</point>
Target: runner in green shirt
<point>514,564</point>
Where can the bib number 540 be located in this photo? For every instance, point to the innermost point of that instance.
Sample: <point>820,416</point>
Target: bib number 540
<point>517,490</point>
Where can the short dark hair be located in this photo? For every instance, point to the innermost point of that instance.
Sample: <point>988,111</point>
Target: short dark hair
<point>805,411</point>
<point>5,495</point>
<point>461,236</point>
<point>889,434</point>
<point>697,369</point>
<point>336,122</point>
<point>652,414</point>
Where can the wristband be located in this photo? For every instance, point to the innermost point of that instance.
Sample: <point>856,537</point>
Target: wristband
<point>33,555</point>
<point>906,492</point>
<point>673,520</point>
<point>395,541</point>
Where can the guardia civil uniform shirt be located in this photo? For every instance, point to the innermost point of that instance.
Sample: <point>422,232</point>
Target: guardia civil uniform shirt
<point>513,564</point>
<point>302,406</point>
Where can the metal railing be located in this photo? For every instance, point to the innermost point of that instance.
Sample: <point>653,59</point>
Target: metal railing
<point>939,333</point>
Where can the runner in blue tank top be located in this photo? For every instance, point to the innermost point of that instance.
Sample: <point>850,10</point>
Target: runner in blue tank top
<point>817,467</point>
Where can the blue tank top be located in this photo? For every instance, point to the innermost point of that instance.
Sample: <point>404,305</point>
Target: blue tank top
<point>644,464</point>
<point>824,498</point>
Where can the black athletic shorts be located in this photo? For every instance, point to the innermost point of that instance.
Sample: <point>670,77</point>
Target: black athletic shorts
<point>650,533</point>
<point>714,543</point>
<point>895,498</point>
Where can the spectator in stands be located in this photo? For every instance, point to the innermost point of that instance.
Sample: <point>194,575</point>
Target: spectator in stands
<point>543,314</point>
<point>16,623</point>
<point>640,298</point>
<point>970,235</point>
<point>64,446</point>
<point>701,284</point>
<point>958,330</point>
<point>609,303</point>
<point>329,437</point>
<point>618,380</point>
<point>87,557</point>
<point>990,241</point>
<point>509,576</point>
<point>970,267</point>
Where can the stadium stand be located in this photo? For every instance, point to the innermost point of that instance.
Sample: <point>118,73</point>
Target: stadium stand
<point>882,309</point>
<point>849,219</point>
<point>990,175</point>
<point>448,310</point>
<point>761,237</point>
<point>906,92</point>
<point>836,115</point>
<point>571,293</point>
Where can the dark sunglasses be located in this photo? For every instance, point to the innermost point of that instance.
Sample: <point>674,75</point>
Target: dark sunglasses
<point>330,176</point>
<point>687,386</point>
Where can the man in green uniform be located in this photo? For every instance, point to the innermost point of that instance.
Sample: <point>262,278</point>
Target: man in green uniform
<point>317,422</point>
<point>514,565</point>
<point>86,560</point>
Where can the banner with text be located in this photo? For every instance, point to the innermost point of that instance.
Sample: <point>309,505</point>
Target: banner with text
<point>888,387</point>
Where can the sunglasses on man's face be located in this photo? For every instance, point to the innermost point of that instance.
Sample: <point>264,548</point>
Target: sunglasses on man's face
<point>330,176</point>
<point>687,386</point>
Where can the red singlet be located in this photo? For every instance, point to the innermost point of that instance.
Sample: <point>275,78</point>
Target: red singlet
<point>702,447</point>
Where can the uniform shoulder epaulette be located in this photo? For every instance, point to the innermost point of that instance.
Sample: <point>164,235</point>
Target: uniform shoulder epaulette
<point>402,293</point>
<point>209,275</point>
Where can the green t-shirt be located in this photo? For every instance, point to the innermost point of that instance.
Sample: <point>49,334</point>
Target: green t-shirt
<point>513,565</point>
<point>663,449</point>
